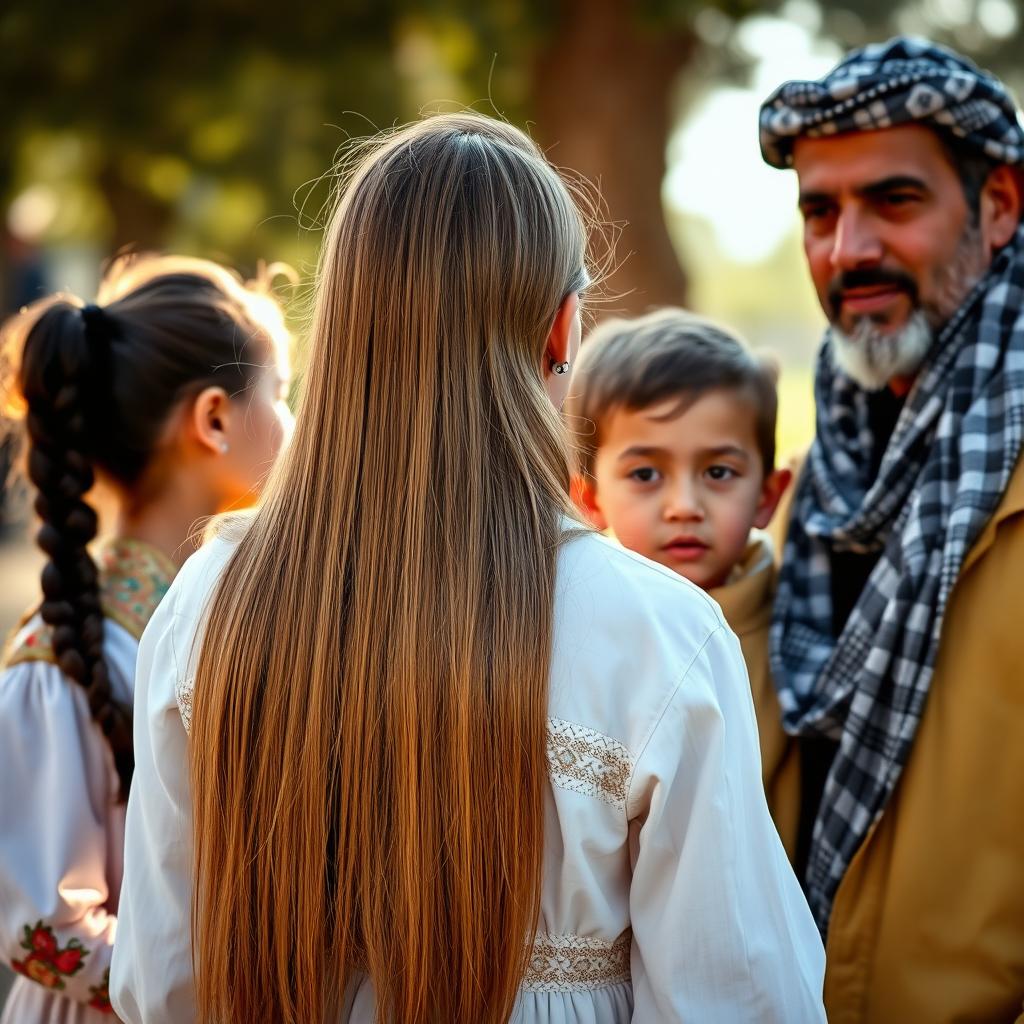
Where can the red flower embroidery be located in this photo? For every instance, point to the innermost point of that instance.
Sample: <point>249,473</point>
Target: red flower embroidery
<point>100,996</point>
<point>38,970</point>
<point>46,961</point>
<point>42,941</point>
<point>67,961</point>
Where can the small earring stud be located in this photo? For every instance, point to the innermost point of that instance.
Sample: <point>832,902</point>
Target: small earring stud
<point>560,368</point>
<point>223,447</point>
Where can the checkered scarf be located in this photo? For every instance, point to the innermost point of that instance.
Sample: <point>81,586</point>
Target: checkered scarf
<point>943,473</point>
<point>902,81</point>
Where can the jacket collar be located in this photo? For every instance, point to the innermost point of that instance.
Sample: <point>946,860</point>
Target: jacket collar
<point>1012,504</point>
<point>746,599</point>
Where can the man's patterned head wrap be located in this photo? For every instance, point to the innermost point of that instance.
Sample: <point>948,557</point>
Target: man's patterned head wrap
<point>903,81</point>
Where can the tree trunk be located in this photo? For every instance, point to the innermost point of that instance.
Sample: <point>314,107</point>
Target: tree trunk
<point>602,91</point>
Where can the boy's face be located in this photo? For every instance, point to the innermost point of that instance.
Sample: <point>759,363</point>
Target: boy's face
<point>686,490</point>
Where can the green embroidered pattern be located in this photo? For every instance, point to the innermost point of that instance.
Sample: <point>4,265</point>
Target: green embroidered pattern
<point>133,579</point>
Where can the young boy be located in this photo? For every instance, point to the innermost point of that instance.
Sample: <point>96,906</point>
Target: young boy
<point>674,423</point>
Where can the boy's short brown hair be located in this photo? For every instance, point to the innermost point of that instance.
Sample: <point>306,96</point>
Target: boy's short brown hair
<point>634,364</point>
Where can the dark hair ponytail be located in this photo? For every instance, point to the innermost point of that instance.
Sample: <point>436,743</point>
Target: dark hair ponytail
<point>97,386</point>
<point>62,368</point>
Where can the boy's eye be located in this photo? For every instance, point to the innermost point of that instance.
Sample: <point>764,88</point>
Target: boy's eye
<point>721,472</point>
<point>644,474</point>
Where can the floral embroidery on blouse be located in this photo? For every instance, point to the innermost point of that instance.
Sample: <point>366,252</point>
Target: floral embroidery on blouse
<point>46,962</point>
<point>568,963</point>
<point>133,579</point>
<point>183,695</point>
<point>588,762</point>
<point>101,995</point>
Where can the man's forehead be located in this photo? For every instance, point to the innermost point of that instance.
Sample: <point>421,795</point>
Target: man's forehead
<point>857,157</point>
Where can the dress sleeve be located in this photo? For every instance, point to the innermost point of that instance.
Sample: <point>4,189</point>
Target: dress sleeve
<point>151,977</point>
<point>56,788</point>
<point>721,930</point>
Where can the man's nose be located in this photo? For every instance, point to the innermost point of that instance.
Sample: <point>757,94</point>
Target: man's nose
<point>856,243</point>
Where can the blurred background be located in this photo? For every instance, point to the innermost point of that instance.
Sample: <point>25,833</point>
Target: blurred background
<point>211,129</point>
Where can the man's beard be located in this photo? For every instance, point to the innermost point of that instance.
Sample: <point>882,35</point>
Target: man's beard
<point>873,354</point>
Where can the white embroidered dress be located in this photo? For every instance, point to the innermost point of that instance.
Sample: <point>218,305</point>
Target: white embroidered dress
<point>666,896</point>
<point>61,825</point>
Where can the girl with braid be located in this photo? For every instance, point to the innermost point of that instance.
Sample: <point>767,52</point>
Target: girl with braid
<point>169,395</point>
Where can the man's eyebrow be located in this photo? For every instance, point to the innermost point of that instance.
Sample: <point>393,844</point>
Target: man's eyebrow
<point>892,184</point>
<point>812,198</point>
<point>871,190</point>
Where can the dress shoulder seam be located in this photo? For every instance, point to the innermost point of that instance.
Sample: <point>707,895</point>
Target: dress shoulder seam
<point>666,704</point>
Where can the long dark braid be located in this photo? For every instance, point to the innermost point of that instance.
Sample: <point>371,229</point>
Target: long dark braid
<point>97,386</point>
<point>60,386</point>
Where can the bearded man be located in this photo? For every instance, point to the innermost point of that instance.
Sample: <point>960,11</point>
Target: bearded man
<point>898,636</point>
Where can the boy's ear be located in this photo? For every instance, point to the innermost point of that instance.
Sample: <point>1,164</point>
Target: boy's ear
<point>772,490</point>
<point>584,496</point>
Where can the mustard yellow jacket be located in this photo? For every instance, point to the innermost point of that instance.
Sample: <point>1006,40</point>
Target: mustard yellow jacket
<point>927,925</point>
<point>746,603</point>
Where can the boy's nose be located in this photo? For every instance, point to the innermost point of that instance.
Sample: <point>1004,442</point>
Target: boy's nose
<point>683,504</point>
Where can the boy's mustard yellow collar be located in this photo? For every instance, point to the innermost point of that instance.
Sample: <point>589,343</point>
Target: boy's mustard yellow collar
<point>133,577</point>
<point>746,599</point>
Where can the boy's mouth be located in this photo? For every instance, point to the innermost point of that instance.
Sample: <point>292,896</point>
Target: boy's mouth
<point>685,549</point>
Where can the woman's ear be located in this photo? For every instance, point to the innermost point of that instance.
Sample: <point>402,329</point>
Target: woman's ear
<point>772,490</point>
<point>560,350</point>
<point>562,338</point>
<point>209,419</point>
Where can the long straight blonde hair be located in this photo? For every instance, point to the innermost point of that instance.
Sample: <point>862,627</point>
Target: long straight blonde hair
<point>368,744</point>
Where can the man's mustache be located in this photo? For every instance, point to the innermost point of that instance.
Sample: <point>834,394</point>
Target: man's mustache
<point>869,278</point>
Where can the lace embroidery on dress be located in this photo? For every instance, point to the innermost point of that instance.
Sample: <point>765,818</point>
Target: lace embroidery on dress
<point>183,690</point>
<point>566,963</point>
<point>588,762</point>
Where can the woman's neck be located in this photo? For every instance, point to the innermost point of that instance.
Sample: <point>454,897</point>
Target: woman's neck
<point>172,521</point>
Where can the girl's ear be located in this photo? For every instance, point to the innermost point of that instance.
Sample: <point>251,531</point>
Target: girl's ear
<point>772,490</point>
<point>209,419</point>
<point>584,496</point>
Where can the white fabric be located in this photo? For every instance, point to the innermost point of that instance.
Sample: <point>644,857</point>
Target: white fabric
<point>661,828</point>
<point>61,828</point>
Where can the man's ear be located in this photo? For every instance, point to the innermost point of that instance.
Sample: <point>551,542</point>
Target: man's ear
<point>1000,206</point>
<point>772,490</point>
<point>209,416</point>
<point>584,495</point>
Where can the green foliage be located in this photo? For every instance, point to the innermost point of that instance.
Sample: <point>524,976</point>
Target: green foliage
<point>209,126</point>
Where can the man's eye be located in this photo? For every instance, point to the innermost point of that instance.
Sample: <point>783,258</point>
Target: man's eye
<point>899,198</point>
<point>644,474</point>
<point>817,213</point>
<point>721,472</point>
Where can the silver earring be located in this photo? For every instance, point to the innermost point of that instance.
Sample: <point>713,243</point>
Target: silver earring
<point>223,447</point>
<point>560,368</point>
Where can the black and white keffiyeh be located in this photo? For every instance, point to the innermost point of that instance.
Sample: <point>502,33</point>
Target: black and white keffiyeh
<point>901,81</point>
<point>943,473</point>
